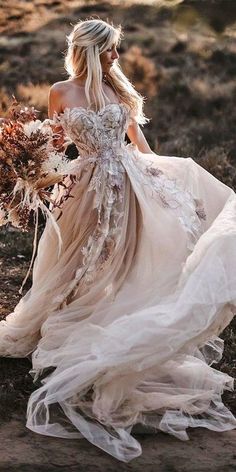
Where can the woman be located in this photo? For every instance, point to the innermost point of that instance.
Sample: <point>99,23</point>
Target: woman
<point>125,322</point>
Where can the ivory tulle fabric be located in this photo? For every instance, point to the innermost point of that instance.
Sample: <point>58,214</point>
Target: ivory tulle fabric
<point>122,326</point>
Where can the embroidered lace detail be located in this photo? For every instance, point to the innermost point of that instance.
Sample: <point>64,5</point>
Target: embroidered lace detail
<point>189,209</point>
<point>95,132</point>
<point>101,244</point>
<point>100,139</point>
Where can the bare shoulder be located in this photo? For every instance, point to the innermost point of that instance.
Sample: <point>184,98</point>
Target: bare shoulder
<point>61,86</point>
<point>56,96</point>
<point>58,88</point>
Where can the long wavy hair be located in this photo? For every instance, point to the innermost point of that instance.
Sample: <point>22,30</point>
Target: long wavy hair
<point>88,39</point>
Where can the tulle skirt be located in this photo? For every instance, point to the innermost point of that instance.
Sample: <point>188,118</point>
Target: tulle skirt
<point>123,325</point>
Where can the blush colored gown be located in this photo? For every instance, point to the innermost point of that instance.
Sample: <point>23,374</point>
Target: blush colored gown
<point>122,327</point>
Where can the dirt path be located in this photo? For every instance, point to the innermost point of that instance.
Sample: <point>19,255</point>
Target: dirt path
<point>24,451</point>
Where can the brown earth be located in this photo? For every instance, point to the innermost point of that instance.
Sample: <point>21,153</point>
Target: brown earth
<point>206,451</point>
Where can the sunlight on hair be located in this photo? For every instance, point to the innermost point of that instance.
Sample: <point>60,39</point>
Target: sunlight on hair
<point>88,39</point>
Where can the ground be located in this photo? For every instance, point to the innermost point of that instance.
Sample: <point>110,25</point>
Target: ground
<point>205,451</point>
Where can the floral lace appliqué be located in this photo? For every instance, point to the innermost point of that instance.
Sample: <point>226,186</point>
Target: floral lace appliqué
<point>189,209</point>
<point>100,139</point>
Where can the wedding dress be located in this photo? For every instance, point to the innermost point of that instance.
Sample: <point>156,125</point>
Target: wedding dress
<point>122,326</point>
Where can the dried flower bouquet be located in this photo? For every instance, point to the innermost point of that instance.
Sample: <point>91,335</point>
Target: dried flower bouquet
<point>30,166</point>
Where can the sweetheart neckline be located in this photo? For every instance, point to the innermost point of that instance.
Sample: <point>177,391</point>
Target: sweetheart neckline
<point>89,109</point>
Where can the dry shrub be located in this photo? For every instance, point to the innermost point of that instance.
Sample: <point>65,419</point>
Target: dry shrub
<point>217,162</point>
<point>210,89</point>
<point>141,70</point>
<point>34,95</point>
<point>5,101</point>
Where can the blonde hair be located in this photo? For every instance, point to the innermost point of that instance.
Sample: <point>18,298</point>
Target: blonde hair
<point>88,39</point>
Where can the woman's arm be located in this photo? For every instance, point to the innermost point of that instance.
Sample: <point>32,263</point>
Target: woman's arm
<point>137,137</point>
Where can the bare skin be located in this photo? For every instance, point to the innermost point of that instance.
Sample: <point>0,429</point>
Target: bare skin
<point>69,93</point>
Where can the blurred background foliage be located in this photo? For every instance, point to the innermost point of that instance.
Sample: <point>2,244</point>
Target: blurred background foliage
<point>180,54</point>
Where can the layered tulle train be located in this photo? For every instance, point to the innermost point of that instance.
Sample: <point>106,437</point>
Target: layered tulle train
<point>123,327</point>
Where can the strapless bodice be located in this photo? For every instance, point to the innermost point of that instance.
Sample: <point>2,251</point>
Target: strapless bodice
<point>95,133</point>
